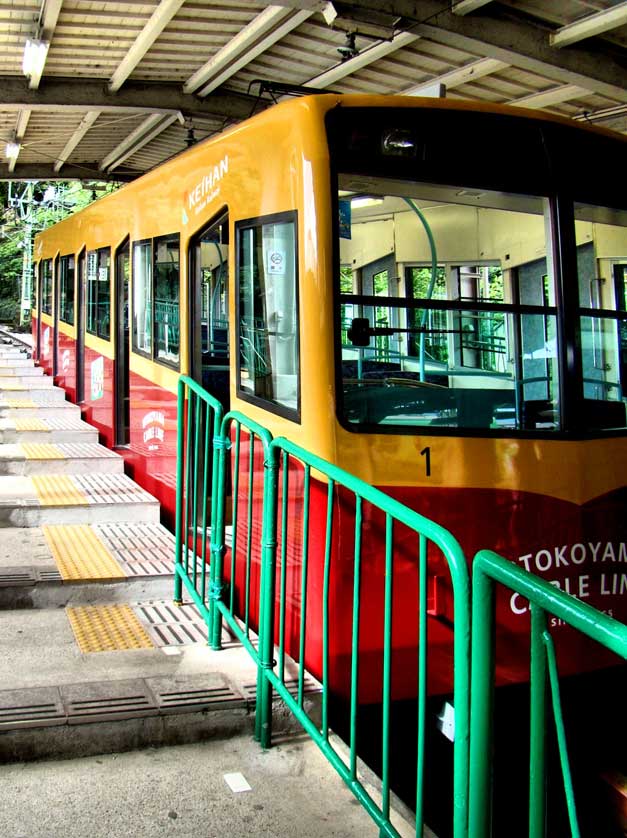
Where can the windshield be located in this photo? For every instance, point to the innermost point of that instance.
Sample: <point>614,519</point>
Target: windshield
<point>447,308</point>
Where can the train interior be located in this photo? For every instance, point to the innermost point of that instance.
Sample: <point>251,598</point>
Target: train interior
<point>448,309</point>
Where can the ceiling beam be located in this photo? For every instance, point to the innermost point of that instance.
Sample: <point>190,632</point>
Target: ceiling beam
<point>44,171</point>
<point>589,26</point>
<point>87,95</point>
<point>264,31</point>
<point>463,75</point>
<point>548,98</point>
<point>86,123</point>
<point>21,125</point>
<point>150,128</point>
<point>464,7</point>
<point>513,40</point>
<point>159,19</point>
<point>366,57</point>
<point>48,17</point>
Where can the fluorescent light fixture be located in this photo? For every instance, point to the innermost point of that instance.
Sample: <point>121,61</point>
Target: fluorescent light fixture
<point>35,53</point>
<point>12,150</point>
<point>365,201</point>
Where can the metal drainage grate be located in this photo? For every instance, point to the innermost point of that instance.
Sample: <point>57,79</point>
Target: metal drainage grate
<point>310,686</point>
<point>171,625</point>
<point>106,701</point>
<point>44,575</point>
<point>193,693</point>
<point>11,577</point>
<point>142,549</point>
<point>33,707</point>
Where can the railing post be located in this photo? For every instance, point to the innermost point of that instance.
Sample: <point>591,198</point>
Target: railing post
<point>178,568</point>
<point>481,701</point>
<point>218,493</point>
<point>537,724</point>
<point>263,718</point>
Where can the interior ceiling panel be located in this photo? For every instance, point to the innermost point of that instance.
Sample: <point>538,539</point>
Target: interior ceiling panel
<point>125,85</point>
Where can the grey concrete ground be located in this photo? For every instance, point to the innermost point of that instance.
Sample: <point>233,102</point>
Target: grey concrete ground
<point>181,792</point>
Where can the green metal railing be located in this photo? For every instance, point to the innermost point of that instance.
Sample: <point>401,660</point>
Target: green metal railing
<point>199,415</point>
<point>357,495</point>
<point>488,569</point>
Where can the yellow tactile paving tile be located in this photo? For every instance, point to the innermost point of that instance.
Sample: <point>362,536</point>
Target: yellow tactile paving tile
<point>107,628</point>
<point>18,404</point>
<point>9,385</point>
<point>80,555</point>
<point>41,451</point>
<point>30,424</point>
<point>58,490</point>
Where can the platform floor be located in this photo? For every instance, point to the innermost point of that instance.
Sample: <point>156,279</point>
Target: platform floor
<point>99,670</point>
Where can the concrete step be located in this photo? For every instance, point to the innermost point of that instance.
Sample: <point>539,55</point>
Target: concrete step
<point>49,430</point>
<point>13,352</point>
<point>25,396</point>
<point>58,565</point>
<point>26,382</point>
<point>13,362</point>
<point>112,677</point>
<point>29,407</point>
<point>63,458</point>
<point>74,499</point>
<point>28,370</point>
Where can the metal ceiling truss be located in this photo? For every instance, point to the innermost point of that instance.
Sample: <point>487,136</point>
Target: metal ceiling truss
<point>512,51</point>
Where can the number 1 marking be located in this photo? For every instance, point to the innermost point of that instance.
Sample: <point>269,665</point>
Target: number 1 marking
<point>426,452</point>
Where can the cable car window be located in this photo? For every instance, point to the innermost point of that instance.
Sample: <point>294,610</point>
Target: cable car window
<point>166,314</point>
<point>46,286</point>
<point>447,308</point>
<point>142,297</point>
<point>33,287</point>
<point>66,289</point>
<point>266,268</point>
<point>99,292</point>
<point>601,235</point>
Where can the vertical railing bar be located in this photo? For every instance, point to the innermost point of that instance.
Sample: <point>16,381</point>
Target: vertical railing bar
<point>355,635</point>
<point>218,500</point>
<point>537,724</point>
<point>188,473</point>
<point>283,595</point>
<point>422,681</point>
<point>387,665</point>
<point>204,502</point>
<point>249,523</point>
<point>197,414</point>
<point>325,609</point>
<point>569,790</point>
<point>303,587</point>
<point>181,408</point>
<point>234,517</point>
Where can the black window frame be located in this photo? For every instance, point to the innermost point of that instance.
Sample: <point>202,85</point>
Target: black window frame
<point>288,216</point>
<point>100,333</point>
<point>152,354</point>
<point>47,281</point>
<point>64,261</point>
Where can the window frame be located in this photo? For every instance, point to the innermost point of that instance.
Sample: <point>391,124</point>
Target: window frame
<point>292,414</point>
<point>47,296</point>
<point>64,260</point>
<point>97,333</point>
<point>152,354</point>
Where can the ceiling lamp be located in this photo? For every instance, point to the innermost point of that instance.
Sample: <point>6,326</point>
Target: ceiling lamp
<point>12,151</point>
<point>35,53</point>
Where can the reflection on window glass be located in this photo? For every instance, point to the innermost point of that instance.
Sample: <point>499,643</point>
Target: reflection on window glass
<point>602,284</point>
<point>166,279</point>
<point>268,313</point>
<point>99,292</point>
<point>142,297</point>
<point>66,289</point>
<point>46,286</point>
<point>462,333</point>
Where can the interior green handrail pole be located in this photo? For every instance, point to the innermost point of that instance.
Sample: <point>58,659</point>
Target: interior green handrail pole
<point>560,729</point>
<point>537,725</point>
<point>178,566</point>
<point>268,590</point>
<point>432,281</point>
<point>481,702</point>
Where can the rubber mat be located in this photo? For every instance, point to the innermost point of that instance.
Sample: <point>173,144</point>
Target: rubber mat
<point>58,490</point>
<point>41,451</point>
<point>80,555</point>
<point>107,628</point>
